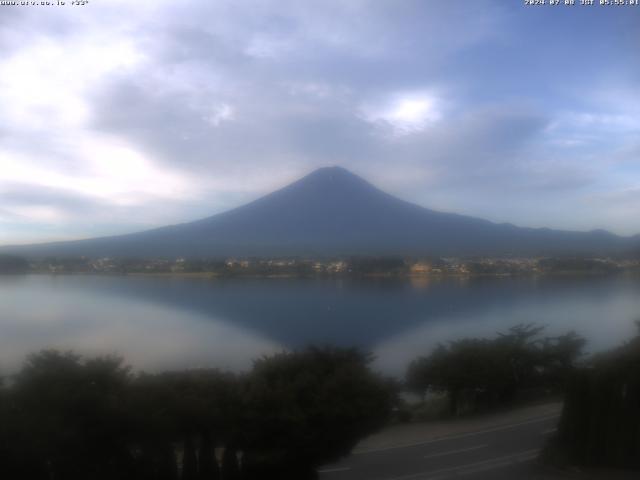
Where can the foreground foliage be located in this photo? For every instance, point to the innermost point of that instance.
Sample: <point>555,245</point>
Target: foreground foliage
<point>478,373</point>
<point>64,417</point>
<point>600,423</point>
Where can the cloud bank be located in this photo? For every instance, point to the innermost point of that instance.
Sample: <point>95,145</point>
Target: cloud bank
<point>121,115</point>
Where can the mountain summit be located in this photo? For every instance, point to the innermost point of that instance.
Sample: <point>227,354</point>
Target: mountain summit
<point>331,211</point>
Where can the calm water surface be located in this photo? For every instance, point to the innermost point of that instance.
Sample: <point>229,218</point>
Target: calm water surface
<point>160,323</point>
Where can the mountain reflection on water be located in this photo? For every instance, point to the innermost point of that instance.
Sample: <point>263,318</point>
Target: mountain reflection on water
<point>163,323</point>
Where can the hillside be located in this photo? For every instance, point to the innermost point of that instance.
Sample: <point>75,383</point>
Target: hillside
<point>334,212</point>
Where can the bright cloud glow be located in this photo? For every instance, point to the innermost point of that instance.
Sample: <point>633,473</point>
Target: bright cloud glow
<point>112,171</point>
<point>43,86</point>
<point>220,114</point>
<point>407,113</point>
<point>39,213</point>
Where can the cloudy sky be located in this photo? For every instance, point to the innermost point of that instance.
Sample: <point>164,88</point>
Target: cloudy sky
<point>122,115</point>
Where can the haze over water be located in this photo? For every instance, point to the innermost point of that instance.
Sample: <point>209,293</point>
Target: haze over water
<point>168,323</point>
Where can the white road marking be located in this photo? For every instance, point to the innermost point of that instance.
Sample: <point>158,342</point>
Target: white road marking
<point>502,462</point>
<point>550,431</point>
<point>475,467</point>
<point>463,435</point>
<point>452,452</point>
<point>333,470</point>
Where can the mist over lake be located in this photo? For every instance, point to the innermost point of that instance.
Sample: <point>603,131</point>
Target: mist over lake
<point>167,323</point>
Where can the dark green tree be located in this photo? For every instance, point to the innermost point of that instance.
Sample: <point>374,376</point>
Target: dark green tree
<point>187,409</point>
<point>600,423</point>
<point>307,408</point>
<point>484,373</point>
<point>230,466</point>
<point>65,417</point>
<point>70,416</point>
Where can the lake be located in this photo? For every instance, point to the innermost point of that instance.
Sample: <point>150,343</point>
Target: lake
<point>173,322</point>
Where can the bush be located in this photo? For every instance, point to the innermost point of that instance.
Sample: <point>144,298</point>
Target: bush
<point>600,423</point>
<point>72,418</point>
<point>308,408</point>
<point>477,374</point>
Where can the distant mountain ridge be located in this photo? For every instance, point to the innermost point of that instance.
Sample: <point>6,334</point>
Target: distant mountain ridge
<point>334,212</point>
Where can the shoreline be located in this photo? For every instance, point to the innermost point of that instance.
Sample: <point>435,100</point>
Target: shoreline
<point>398,276</point>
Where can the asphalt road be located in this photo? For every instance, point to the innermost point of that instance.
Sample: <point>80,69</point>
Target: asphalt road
<point>499,451</point>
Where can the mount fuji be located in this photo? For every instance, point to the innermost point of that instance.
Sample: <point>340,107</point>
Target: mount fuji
<point>334,212</point>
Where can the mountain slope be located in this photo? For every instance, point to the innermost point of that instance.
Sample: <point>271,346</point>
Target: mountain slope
<point>332,211</point>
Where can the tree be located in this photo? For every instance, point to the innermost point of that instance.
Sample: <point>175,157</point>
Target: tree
<point>600,422</point>
<point>70,417</point>
<point>307,408</point>
<point>484,373</point>
<point>194,409</point>
<point>65,417</point>
<point>230,467</point>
